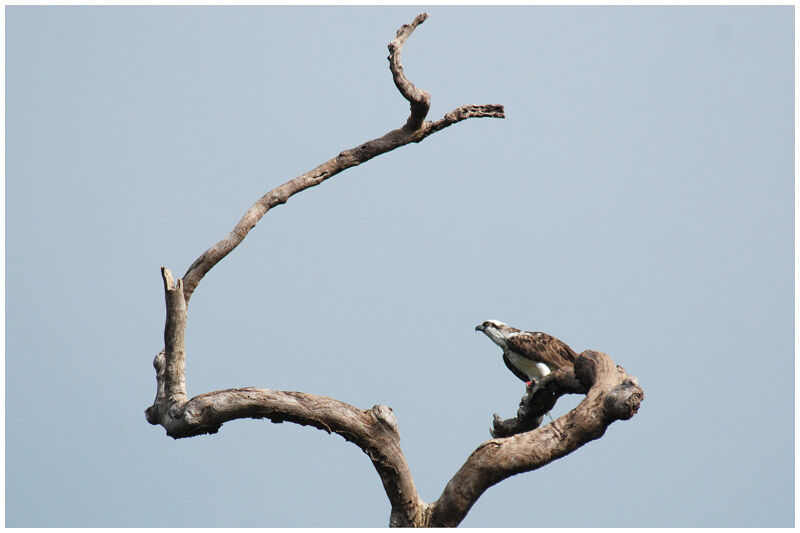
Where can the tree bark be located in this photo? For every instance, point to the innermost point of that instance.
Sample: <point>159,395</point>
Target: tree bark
<point>610,395</point>
<point>517,447</point>
<point>414,130</point>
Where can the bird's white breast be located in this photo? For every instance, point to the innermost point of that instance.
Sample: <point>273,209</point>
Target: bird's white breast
<point>532,369</point>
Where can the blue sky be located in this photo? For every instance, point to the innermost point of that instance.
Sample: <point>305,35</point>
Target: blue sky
<point>638,199</point>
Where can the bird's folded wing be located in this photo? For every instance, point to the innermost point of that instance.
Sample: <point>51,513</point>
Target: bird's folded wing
<point>542,348</point>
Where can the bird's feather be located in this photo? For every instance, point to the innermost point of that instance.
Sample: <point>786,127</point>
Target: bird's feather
<point>516,371</point>
<point>542,348</point>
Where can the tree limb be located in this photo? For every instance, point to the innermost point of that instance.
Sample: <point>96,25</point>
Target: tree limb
<point>420,99</point>
<point>415,130</point>
<point>537,402</point>
<point>610,394</point>
<point>374,430</point>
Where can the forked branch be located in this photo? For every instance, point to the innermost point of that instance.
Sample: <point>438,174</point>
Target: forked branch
<point>415,130</point>
<point>376,430</point>
<point>611,395</point>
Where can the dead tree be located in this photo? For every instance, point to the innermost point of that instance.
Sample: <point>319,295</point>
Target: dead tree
<point>519,445</point>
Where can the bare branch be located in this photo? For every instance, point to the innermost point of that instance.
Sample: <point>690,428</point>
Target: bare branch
<point>612,395</point>
<point>538,401</point>
<point>374,430</point>
<point>420,99</point>
<point>170,363</point>
<point>463,113</point>
<point>414,130</point>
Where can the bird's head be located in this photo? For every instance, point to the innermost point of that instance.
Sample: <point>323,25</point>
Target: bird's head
<point>496,330</point>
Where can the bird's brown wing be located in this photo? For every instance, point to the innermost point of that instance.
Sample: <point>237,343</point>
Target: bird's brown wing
<point>516,371</point>
<point>542,348</point>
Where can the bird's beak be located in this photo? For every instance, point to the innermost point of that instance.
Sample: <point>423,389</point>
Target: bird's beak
<point>479,327</point>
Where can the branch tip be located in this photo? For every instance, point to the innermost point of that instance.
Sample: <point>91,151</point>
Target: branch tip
<point>169,281</point>
<point>406,29</point>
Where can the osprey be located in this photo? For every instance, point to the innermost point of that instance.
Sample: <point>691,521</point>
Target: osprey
<point>529,355</point>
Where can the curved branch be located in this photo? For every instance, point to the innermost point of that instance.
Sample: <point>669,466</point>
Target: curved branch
<point>537,402</point>
<point>414,130</point>
<point>420,99</point>
<point>612,395</point>
<point>374,430</point>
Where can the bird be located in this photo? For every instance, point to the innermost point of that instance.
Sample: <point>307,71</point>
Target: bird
<point>530,355</point>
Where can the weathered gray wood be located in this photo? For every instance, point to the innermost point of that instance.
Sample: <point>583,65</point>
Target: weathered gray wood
<point>538,401</point>
<point>374,430</point>
<point>420,99</point>
<point>415,130</point>
<point>610,394</point>
<point>170,363</point>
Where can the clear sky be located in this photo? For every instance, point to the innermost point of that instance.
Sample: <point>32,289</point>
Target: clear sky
<point>638,200</point>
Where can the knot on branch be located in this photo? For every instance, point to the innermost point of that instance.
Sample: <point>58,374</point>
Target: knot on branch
<point>159,361</point>
<point>586,367</point>
<point>623,401</point>
<point>385,416</point>
<point>151,413</point>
